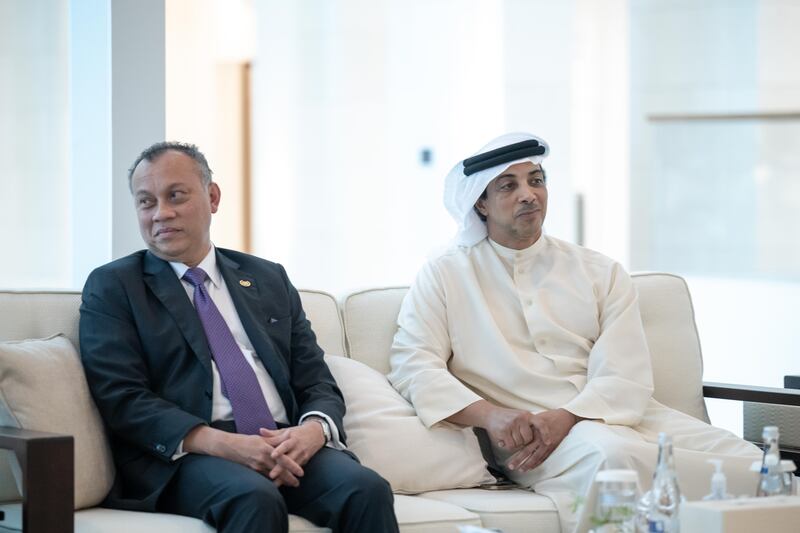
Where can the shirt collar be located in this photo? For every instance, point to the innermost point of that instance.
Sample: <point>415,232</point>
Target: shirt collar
<point>209,264</point>
<point>515,256</point>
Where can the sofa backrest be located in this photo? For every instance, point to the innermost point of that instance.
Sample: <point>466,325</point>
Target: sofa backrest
<point>322,310</point>
<point>370,322</point>
<point>366,325</point>
<point>40,314</point>
<point>668,319</point>
<point>370,319</point>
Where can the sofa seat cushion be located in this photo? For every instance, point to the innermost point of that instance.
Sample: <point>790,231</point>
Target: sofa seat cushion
<point>511,511</point>
<point>44,389</point>
<point>385,433</point>
<point>413,513</point>
<point>427,515</point>
<point>99,520</point>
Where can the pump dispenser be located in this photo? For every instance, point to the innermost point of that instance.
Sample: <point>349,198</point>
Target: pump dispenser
<point>719,485</point>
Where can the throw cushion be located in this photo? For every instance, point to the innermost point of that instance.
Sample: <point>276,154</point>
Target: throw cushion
<point>43,388</point>
<point>384,432</point>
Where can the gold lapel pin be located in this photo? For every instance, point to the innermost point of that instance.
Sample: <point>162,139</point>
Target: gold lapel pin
<point>244,283</point>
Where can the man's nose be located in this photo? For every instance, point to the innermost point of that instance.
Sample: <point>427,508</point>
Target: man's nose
<point>527,194</point>
<point>163,212</point>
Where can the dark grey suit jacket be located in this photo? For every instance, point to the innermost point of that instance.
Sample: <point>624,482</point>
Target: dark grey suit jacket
<point>148,363</point>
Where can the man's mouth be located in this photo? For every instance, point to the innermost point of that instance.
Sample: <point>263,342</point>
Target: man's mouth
<point>165,231</point>
<point>525,212</point>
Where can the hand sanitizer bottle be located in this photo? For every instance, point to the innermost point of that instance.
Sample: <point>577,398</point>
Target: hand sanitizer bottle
<point>719,485</point>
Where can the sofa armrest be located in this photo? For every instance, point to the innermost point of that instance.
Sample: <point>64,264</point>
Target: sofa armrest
<point>751,393</point>
<point>47,461</point>
<point>768,395</point>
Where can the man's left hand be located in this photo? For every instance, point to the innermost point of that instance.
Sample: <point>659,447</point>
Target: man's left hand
<point>298,443</point>
<point>557,422</point>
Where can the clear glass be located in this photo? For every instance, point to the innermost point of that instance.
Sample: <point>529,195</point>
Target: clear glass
<point>615,511</point>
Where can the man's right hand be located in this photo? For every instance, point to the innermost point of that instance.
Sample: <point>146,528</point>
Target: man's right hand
<point>252,451</point>
<point>558,423</point>
<point>512,429</point>
<point>509,429</point>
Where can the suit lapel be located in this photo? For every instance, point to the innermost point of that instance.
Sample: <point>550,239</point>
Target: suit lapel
<point>170,292</point>
<point>248,298</point>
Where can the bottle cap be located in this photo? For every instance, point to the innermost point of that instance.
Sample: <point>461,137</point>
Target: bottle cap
<point>769,432</point>
<point>622,476</point>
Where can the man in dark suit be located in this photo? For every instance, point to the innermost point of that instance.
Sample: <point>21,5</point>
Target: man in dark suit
<point>217,399</point>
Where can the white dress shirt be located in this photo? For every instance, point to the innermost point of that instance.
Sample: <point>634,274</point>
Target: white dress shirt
<point>221,407</point>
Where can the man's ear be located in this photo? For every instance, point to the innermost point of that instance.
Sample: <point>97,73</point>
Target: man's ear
<point>214,196</point>
<point>480,205</point>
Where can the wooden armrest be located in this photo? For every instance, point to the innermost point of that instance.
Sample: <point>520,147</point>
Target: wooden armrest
<point>47,461</point>
<point>751,393</point>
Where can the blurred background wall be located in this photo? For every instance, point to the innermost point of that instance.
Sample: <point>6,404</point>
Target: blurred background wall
<point>674,127</point>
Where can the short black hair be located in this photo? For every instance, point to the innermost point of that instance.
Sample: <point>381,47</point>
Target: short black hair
<point>483,195</point>
<point>154,151</point>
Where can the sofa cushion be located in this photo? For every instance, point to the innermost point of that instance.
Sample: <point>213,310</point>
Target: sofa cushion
<point>385,433</point>
<point>43,388</point>
<point>100,520</point>
<point>423,515</point>
<point>414,515</point>
<point>510,511</point>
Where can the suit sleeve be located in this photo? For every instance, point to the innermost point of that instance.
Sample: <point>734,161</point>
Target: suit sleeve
<point>312,382</point>
<point>111,351</point>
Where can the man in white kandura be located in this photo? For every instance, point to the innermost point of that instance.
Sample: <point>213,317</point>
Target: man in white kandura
<point>540,343</point>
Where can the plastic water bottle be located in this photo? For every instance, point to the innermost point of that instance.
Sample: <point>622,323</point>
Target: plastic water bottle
<point>615,511</point>
<point>770,482</point>
<point>665,496</point>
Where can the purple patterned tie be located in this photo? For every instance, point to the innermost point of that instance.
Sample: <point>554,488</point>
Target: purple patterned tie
<point>250,409</point>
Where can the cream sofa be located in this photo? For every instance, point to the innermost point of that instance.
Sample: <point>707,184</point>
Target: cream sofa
<point>360,326</point>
